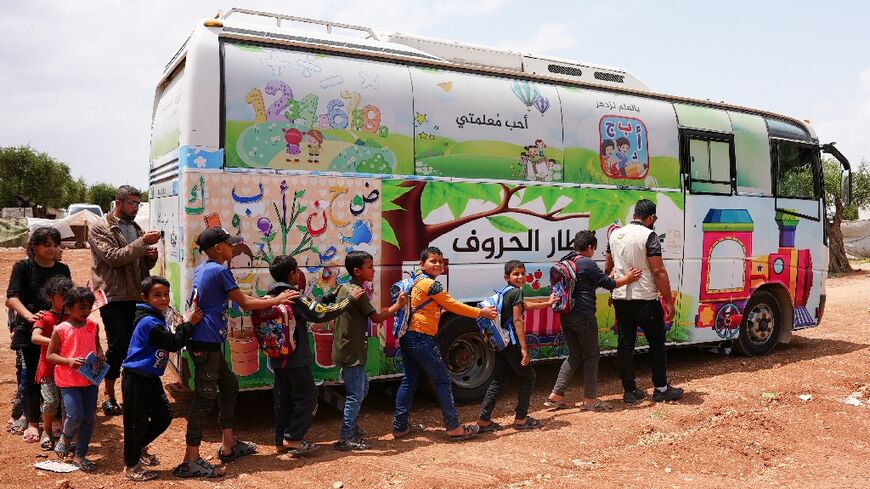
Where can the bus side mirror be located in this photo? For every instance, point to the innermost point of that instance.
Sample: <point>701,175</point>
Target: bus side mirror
<point>846,187</point>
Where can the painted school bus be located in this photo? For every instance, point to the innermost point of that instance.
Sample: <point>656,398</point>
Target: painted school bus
<point>317,144</point>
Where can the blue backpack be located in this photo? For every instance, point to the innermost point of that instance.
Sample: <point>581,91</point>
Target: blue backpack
<point>402,319</point>
<point>497,332</point>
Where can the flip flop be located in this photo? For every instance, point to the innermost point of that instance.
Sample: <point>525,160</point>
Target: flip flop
<point>240,449</point>
<point>557,405</point>
<point>468,431</point>
<point>490,428</point>
<point>598,406</point>
<point>530,424</point>
<point>46,443</point>
<point>413,429</point>
<point>31,435</point>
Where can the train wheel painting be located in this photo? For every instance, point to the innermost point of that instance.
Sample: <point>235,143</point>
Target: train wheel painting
<point>761,325</point>
<point>533,343</point>
<point>727,321</point>
<point>561,345</point>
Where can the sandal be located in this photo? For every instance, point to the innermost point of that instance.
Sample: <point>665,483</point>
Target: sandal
<point>46,443</point>
<point>61,450</point>
<point>200,468</point>
<point>304,447</point>
<point>490,428</point>
<point>148,460</point>
<point>413,429</point>
<point>240,449</point>
<point>111,407</point>
<point>598,406</point>
<point>85,465</point>
<point>530,424</point>
<point>468,431</point>
<point>138,474</point>
<point>31,434</point>
<point>557,405</point>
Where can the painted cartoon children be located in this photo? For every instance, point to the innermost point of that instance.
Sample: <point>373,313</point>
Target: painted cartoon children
<point>608,159</point>
<point>315,140</point>
<point>622,146</point>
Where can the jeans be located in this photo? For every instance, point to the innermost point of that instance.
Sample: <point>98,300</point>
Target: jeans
<point>509,361</point>
<point>212,379</point>
<point>118,321</point>
<point>295,399</point>
<point>421,354</point>
<point>650,317</point>
<point>80,405</point>
<point>19,404</point>
<point>146,413</point>
<point>581,334</point>
<point>32,394</point>
<point>356,387</point>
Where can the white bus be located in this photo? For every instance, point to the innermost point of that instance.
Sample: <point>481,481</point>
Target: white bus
<point>314,143</point>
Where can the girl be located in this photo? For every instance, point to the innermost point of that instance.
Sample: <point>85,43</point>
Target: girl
<point>72,341</point>
<point>24,296</point>
<point>54,291</point>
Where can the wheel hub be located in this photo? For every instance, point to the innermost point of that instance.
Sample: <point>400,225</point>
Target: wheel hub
<point>760,324</point>
<point>466,363</point>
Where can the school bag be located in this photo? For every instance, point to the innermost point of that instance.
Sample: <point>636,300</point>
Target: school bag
<point>274,327</point>
<point>402,318</point>
<point>563,275</point>
<point>497,332</point>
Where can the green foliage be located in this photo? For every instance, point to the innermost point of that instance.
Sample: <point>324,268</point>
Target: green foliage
<point>102,194</point>
<point>29,177</point>
<point>74,191</point>
<point>860,185</point>
<point>507,225</point>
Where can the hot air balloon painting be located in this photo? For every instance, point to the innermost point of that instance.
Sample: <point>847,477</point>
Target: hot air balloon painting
<point>542,104</point>
<point>526,92</point>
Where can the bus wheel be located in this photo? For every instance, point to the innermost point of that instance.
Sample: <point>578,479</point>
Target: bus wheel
<point>469,360</point>
<point>761,325</point>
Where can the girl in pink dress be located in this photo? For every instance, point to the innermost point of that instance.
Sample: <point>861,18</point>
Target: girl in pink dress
<point>71,342</point>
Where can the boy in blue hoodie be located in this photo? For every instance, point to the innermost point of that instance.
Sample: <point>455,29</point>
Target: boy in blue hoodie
<point>146,409</point>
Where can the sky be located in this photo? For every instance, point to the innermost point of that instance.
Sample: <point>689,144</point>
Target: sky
<point>77,78</point>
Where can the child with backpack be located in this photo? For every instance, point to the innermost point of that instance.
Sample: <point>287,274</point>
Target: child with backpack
<point>420,351</point>
<point>580,326</point>
<point>54,291</point>
<point>514,357</point>
<point>146,409</point>
<point>350,346</point>
<point>71,342</point>
<point>282,331</point>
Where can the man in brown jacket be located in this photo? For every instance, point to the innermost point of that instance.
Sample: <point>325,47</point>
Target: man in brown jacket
<point>122,256</point>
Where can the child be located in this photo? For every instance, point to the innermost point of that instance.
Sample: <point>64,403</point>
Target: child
<point>214,285</point>
<point>54,291</point>
<point>294,390</point>
<point>349,346</point>
<point>72,341</point>
<point>515,357</point>
<point>581,328</point>
<point>24,296</point>
<point>146,409</point>
<point>421,354</point>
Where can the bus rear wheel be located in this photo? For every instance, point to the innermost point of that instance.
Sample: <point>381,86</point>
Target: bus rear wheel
<point>761,325</point>
<point>469,360</point>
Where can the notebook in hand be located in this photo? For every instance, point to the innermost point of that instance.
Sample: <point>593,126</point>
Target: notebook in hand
<point>94,369</point>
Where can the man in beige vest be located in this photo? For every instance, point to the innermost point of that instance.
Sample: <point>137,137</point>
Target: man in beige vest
<point>637,304</point>
<point>122,256</point>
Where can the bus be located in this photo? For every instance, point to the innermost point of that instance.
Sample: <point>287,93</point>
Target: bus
<point>313,139</point>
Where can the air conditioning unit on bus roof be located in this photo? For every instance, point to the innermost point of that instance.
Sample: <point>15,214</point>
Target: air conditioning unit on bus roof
<point>506,59</point>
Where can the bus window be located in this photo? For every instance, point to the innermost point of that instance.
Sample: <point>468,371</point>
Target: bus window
<point>709,165</point>
<point>752,154</point>
<point>795,178</point>
<point>164,127</point>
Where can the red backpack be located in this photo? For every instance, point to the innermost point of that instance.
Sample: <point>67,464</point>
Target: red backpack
<point>563,275</point>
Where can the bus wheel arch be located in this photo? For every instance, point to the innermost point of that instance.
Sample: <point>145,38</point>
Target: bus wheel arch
<point>767,320</point>
<point>470,362</point>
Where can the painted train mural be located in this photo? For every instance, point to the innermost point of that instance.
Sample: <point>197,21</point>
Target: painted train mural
<point>323,155</point>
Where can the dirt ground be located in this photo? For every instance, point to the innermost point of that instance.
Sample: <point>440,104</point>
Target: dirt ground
<point>742,423</point>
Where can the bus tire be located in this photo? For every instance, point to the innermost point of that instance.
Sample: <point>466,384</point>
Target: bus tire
<point>761,325</point>
<point>470,362</point>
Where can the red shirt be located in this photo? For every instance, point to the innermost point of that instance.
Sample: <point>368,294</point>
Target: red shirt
<point>74,342</point>
<point>47,322</point>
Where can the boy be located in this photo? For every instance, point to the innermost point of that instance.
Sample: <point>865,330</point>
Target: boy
<point>295,394</point>
<point>420,351</point>
<point>215,285</point>
<point>515,357</point>
<point>147,413</point>
<point>581,328</point>
<point>349,346</point>
<point>54,291</point>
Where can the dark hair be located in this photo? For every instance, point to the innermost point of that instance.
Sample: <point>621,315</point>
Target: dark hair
<point>584,239</point>
<point>430,250</point>
<point>621,141</point>
<point>78,295</point>
<point>607,143</point>
<point>127,191</point>
<point>513,265</point>
<point>58,284</point>
<point>40,236</point>
<point>356,259</point>
<point>151,281</point>
<point>282,266</point>
<point>644,208</point>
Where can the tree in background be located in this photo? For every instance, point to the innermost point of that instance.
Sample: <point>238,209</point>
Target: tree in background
<point>75,191</point>
<point>102,194</point>
<point>837,211</point>
<point>29,178</point>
